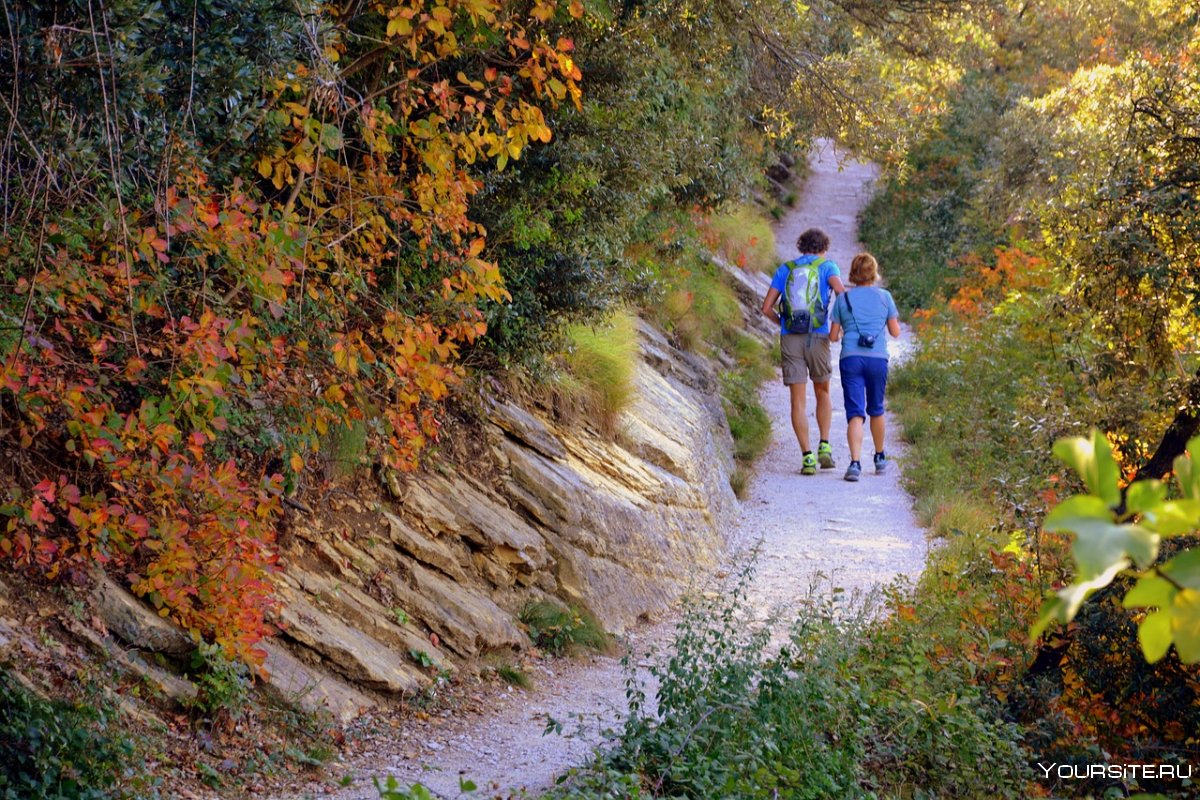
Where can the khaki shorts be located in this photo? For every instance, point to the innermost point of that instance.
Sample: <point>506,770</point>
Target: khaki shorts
<point>805,355</point>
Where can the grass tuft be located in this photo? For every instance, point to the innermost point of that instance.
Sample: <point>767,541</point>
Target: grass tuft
<point>744,237</point>
<point>558,629</point>
<point>749,422</point>
<point>702,309</point>
<point>600,362</point>
<point>514,676</point>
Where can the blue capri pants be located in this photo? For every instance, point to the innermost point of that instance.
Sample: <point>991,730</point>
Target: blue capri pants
<point>864,382</point>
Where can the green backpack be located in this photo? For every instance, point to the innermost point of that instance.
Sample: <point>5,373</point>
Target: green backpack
<point>802,309</point>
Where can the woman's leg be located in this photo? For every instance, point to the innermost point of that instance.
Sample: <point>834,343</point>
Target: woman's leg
<point>854,436</point>
<point>854,395</point>
<point>875,380</point>
<point>878,429</point>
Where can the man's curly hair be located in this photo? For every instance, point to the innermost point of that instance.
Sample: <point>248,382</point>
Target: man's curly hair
<point>813,241</point>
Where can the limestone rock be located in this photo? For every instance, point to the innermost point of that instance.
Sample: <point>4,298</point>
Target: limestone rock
<point>526,428</point>
<point>133,621</point>
<point>454,507</point>
<point>179,690</point>
<point>553,486</point>
<point>352,653</point>
<point>467,621</point>
<point>311,689</point>
<point>366,614</point>
<point>426,548</point>
<point>620,527</point>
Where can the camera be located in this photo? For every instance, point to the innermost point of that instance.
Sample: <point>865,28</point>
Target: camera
<point>866,340</point>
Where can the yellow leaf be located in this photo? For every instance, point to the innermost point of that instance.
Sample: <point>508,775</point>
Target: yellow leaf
<point>297,463</point>
<point>399,26</point>
<point>265,167</point>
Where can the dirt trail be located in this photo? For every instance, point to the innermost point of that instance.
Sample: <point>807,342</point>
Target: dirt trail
<point>857,534</point>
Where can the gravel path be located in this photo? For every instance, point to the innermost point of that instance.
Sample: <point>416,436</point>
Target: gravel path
<point>857,535</point>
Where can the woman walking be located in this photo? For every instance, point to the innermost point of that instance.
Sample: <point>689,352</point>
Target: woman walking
<point>860,318</point>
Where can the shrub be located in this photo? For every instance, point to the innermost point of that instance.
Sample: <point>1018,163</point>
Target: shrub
<point>223,684</point>
<point>847,707</point>
<point>60,750</point>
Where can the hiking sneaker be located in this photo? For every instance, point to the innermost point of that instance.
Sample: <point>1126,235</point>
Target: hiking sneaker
<point>825,455</point>
<point>853,471</point>
<point>880,463</point>
<point>808,465</point>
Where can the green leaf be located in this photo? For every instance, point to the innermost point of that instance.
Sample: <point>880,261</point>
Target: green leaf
<point>1093,460</point>
<point>1100,542</point>
<point>1185,624</point>
<point>1174,517</point>
<point>1187,472</point>
<point>1150,592</point>
<point>1085,506</point>
<point>331,137</point>
<point>1066,602</point>
<point>1154,635</point>
<point>1184,569</point>
<point>1143,496</point>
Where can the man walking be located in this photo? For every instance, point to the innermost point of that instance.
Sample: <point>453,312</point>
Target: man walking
<point>801,294</point>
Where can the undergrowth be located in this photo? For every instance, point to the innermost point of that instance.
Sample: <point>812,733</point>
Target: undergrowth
<point>850,705</point>
<point>64,750</point>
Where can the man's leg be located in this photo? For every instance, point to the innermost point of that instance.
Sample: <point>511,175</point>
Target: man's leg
<point>799,414</point>
<point>820,368</point>
<point>824,409</point>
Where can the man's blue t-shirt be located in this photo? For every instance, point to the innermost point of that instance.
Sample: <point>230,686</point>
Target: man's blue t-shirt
<point>824,272</point>
<point>873,307</point>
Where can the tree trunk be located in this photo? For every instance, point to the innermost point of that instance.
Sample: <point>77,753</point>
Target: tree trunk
<point>1178,433</point>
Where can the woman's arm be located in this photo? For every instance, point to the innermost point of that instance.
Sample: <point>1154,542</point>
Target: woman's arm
<point>893,326</point>
<point>835,332</point>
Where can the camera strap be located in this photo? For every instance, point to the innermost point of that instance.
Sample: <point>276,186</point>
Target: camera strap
<point>857,328</point>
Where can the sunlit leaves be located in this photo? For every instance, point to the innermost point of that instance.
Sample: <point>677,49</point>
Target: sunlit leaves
<point>1105,545</point>
<point>1093,461</point>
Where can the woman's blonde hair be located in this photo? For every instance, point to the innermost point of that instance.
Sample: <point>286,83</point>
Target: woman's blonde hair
<point>864,269</point>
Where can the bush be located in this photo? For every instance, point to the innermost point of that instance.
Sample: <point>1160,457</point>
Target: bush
<point>848,707</point>
<point>223,684</point>
<point>57,750</point>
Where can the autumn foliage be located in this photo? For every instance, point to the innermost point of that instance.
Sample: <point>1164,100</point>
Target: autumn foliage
<point>186,319</point>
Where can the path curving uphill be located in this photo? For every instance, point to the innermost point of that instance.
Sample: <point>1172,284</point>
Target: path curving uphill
<point>858,535</point>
